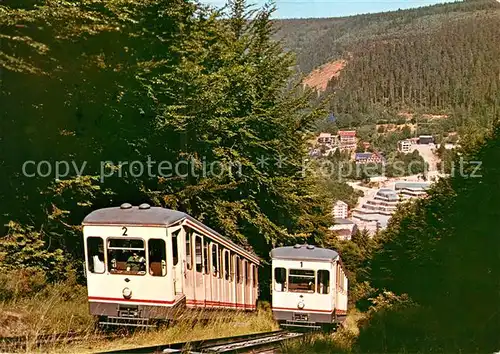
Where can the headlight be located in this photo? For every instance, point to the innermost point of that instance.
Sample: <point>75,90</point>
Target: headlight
<point>301,305</point>
<point>127,293</point>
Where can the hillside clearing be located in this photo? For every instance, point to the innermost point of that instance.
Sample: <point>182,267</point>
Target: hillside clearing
<point>319,78</point>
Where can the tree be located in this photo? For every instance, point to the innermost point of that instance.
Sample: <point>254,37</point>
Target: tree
<point>440,251</point>
<point>360,147</point>
<point>150,81</point>
<point>406,132</point>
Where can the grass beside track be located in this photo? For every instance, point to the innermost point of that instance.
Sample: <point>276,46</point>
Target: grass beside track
<point>189,329</point>
<point>340,341</point>
<point>57,308</point>
<point>63,308</point>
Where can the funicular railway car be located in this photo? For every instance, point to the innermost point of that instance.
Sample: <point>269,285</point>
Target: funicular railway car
<point>145,263</point>
<point>309,287</point>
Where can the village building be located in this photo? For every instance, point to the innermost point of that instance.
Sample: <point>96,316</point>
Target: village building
<point>326,138</point>
<point>405,146</point>
<point>344,228</point>
<point>369,157</point>
<point>425,139</point>
<point>340,210</point>
<point>375,213</point>
<point>408,190</point>
<point>347,139</point>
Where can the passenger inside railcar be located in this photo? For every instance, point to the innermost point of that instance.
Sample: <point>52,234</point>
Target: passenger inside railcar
<point>95,249</point>
<point>136,263</point>
<point>127,257</point>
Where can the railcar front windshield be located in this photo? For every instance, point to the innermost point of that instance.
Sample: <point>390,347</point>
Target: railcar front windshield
<point>126,256</point>
<point>301,280</point>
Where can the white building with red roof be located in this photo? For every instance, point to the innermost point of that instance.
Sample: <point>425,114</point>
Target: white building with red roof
<point>347,138</point>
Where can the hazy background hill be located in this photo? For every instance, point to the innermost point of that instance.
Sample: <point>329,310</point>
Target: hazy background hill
<point>318,40</point>
<point>436,59</point>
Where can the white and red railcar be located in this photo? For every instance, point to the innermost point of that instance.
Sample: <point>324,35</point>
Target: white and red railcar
<point>146,263</point>
<point>309,287</point>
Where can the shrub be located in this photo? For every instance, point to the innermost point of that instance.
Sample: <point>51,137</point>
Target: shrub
<point>21,283</point>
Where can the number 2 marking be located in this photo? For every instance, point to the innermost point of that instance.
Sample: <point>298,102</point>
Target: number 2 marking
<point>124,231</point>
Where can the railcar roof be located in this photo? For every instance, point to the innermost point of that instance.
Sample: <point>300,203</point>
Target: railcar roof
<point>304,252</point>
<point>134,215</point>
<point>151,216</point>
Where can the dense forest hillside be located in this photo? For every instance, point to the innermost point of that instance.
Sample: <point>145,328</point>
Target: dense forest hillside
<point>455,67</point>
<point>317,41</point>
<point>435,59</point>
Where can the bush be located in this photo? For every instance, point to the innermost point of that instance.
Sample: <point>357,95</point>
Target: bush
<point>20,283</point>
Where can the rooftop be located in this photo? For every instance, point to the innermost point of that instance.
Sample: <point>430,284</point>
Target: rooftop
<point>363,155</point>
<point>368,155</point>
<point>347,132</point>
<point>387,193</point>
<point>304,252</point>
<point>343,221</point>
<point>340,202</point>
<point>412,185</point>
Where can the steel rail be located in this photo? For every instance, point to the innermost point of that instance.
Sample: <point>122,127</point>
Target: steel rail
<point>254,345</point>
<point>223,345</point>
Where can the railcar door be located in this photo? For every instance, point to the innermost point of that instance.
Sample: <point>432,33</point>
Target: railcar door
<point>177,245</point>
<point>239,283</point>
<point>189,276</point>
<point>199,289</point>
<point>247,282</point>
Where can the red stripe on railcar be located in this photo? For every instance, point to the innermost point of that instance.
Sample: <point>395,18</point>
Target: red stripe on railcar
<point>130,300</point>
<point>303,310</point>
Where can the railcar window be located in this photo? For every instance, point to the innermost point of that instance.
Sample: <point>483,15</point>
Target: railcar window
<point>340,277</point>
<point>157,257</point>
<point>226,264</point>
<point>215,260</point>
<point>255,276</point>
<point>175,247</point>
<point>220,262</point>
<point>231,267</point>
<point>206,266</point>
<point>95,252</point>
<point>323,286</point>
<point>198,254</point>
<point>238,270</point>
<point>279,279</point>
<point>301,280</point>
<point>247,272</point>
<point>126,256</point>
<point>189,260</point>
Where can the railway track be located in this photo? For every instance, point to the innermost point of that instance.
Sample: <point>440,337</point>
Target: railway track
<point>251,343</point>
